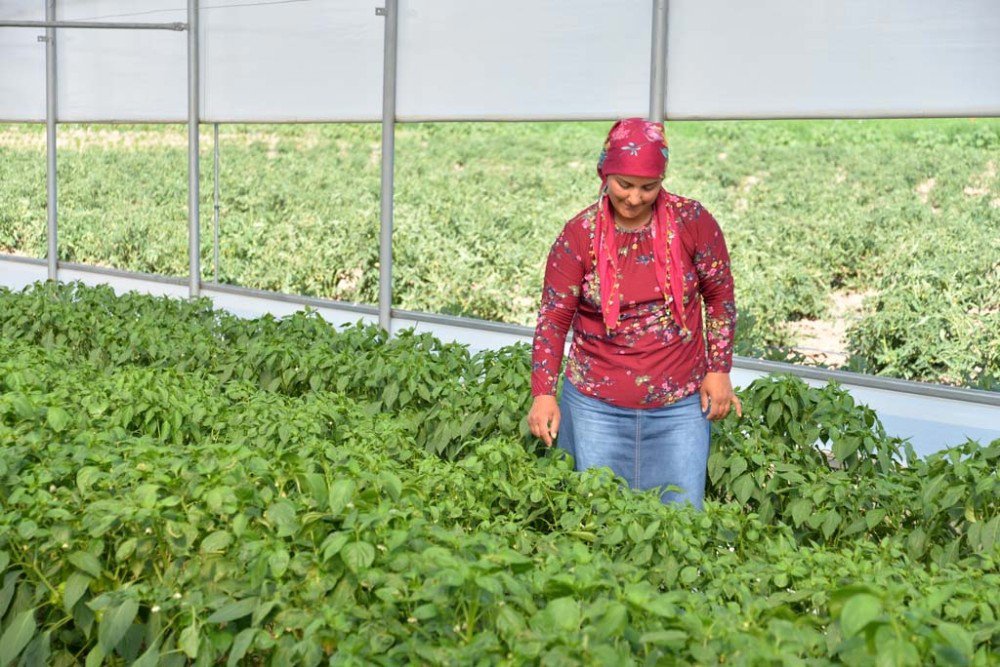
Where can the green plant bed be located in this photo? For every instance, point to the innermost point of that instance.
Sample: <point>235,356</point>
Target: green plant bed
<point>180,485</point>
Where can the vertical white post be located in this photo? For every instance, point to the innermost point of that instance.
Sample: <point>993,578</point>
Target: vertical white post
<point>391,14</point>
<point>215,204</point>
<point>658,62</point>
<point>194,225</point>
<point>51,179</point>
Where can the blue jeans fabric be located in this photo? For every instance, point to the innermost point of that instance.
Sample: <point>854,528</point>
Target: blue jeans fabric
<point>649,448</point>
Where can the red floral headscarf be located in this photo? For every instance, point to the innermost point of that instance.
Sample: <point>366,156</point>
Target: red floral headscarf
<point>637,147</point>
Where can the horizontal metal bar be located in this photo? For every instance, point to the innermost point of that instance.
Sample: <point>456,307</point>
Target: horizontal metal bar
<point>21,259</point>
<point>315,302</point>
<point>94,24</point>
<point>405,119</point>
<point>872,381</point>
<point>463,322</point>
<point>121,273</point>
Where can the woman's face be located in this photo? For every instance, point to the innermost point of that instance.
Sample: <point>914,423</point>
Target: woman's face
<point>632,197</point>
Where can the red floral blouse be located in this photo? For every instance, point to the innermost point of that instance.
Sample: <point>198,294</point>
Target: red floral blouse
<point>644,362</point>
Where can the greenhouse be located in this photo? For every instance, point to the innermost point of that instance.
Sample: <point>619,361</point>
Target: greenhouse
<point>268,279</point>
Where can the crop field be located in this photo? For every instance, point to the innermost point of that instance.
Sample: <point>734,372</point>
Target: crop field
<point>178,484</point>
<point>870,245</point>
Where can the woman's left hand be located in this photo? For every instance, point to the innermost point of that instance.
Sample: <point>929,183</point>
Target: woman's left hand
<point>717,394</point>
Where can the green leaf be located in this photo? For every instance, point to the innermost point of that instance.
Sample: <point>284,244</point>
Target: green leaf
<point>737,466</point>
<point>76,585</point>
<point>333,543</point>
<point>240,646</point>
<point>358,556</point>
<point>874,517</point>
<point>916,543</point>
<point>125,549</point>
<point>86,561</point>
<point>392,484</point>
<point>612,622</point>
<point>16,636</point>
<point>800,509</point>
<point>425,611</point>
<point>830,523</point>
<point>7,592</point>
<point>116,623</point>
<point>216,542</point>
<point>150,658</point>
<point>96,657</point>
<point>38,652</point>
<point>390,394</point>
<point>282,516</point>
<point>189,640</point>
<point>147,495</point>
<point>845,446</point>
<point>57,419</point>
<point>743,488</point>
<point>859,611</point>
<point>278,561</point>
<point>490,584</point>
<point>86,477</point>
<point>773,413</point>
<point>673,639</point>
<point>564,613</point>
<point>233,610</point>
<point>509,621</point>
<point>341,492</point>
<point>957,637</point>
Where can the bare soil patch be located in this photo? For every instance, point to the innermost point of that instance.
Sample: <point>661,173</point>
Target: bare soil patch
<point>825,341</point>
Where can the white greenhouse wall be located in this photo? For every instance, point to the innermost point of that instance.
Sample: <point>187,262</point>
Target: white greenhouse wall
<point>519,59</point>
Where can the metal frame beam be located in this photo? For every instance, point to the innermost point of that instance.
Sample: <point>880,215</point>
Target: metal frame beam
<point>51,175</point>
<point>215,201</point>
<point>658,62</point>
<point>52,23</point>
<point>194,218</point>
<point>391,14</point>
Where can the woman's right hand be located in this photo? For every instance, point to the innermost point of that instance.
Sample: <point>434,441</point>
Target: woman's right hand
<point>543,418</point>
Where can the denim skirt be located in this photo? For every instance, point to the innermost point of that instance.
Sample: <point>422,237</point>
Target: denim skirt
<point>649,448</point>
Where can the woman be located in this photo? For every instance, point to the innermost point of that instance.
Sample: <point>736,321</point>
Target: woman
<point>643,382</point>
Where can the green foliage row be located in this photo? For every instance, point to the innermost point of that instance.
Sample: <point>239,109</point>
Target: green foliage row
<point>178,485</point>
<point>811,210</point>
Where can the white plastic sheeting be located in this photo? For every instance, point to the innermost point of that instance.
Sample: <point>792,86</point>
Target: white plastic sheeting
<point>22,63</point>
<point>833,58</point>
<point>321,60</point>
<point>120,75</point>
<point>562,59</point>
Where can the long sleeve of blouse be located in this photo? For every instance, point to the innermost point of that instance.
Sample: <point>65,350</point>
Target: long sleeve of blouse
<point>564,271</point>
<point>645,361</point>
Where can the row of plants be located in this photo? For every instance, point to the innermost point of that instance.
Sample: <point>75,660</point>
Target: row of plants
<point>178,485</point>
<point>813,212</point>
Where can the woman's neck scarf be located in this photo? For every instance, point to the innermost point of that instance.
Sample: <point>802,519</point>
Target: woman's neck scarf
<point>637,147</point>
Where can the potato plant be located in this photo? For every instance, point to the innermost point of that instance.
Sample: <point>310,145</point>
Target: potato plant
<point>181,486</point>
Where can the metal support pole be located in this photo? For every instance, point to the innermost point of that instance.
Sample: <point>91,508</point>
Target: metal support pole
<point>52,23</point>
<point>658,62</point>
<point>51,179</point>
<point>194,228</point>
<point>391,14</point>
<point>215,202</point>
